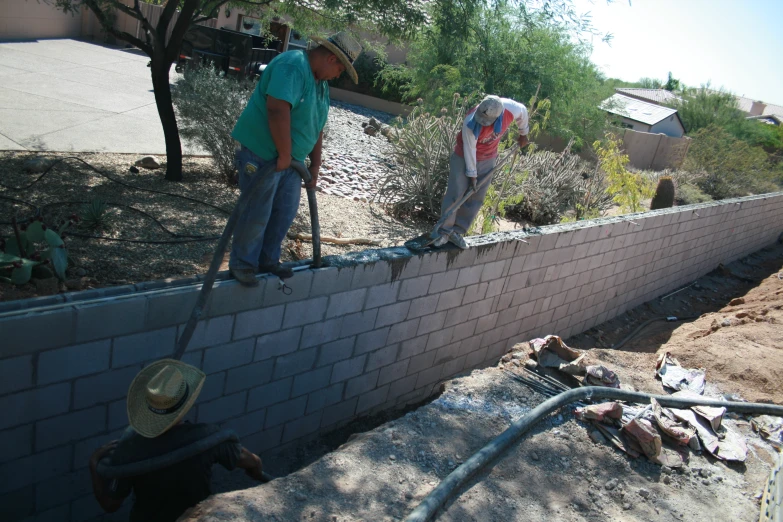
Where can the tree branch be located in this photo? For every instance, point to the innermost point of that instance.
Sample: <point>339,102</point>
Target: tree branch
<point>106,24</point>
<point>184,22</point>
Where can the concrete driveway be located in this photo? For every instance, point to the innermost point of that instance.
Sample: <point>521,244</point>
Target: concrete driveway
<point>67,95</point>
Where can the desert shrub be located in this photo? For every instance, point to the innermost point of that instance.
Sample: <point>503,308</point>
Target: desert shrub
<point>627,188</point>
<point>377,78</point>
<point>416,181</point>
<point>208,105</point>
<point>688,194</point>
<point>728,167</point>
<point>549,184</point>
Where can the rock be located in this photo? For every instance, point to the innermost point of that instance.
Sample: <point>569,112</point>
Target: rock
<point>726,322</point>
<point>534,455</point>
<point>370,130</point>
<point>75,284</point>
<point>392,457</point>
<point>737,301</point>
<point>48,286</point>
<point>375,123</point>
<point>740,315</point>
<point>705,472</point>
<point>667,479</point>
<point>301,497</point>
<point>531,364</point>
<point>148,162</point>
<point>611,484</point>
<point>627,506</point>
<point>80,272</point>
<point>644,492</point>
<point>134,169</point>
<point>37,165</point>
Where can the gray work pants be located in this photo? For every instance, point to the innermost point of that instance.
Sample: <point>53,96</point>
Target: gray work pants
<point>461,219</point>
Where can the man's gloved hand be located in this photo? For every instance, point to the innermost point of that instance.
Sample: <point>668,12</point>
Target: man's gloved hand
<point>474,183</point>
<point>522,140</point>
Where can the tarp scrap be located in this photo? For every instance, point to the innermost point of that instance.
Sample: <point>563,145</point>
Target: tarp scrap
<point>622,443</point>
<point>600,412</point>
<point>676,377</point>
<point>645,435</point>
<point>712,414</point>
<point>552,352</point>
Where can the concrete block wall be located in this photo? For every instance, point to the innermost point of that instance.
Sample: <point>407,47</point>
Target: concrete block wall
<point>345,342</point>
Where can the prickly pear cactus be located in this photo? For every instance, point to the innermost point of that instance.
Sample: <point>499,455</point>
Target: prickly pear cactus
<point>39,252</point>
<point>664,194</point>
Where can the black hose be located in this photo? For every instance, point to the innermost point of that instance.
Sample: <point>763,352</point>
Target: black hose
<point>649,321</point>
<point>217,258</point>
<point>449,486</point>
<point>142,467</point>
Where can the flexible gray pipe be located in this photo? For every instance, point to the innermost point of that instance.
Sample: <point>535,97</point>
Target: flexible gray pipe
<point>217,258</point>
<point>142,467</point>
<point>449,487</point>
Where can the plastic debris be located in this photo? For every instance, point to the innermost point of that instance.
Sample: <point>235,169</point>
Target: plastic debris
<point>724,444</point>
<point>676,377</point>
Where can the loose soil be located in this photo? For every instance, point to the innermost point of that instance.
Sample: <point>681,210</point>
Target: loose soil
<point>556,472</point>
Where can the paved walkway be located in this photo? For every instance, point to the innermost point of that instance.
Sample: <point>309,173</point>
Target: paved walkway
<point>67,95</point>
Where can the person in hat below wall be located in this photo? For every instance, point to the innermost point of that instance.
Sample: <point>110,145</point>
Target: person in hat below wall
<point>158,399</point>
<point>473,159</point>
<point>283,120</point>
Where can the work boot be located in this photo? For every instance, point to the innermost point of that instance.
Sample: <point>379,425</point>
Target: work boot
<point>457,239</point>
<point>245,276</point>
<point>283,272</point>
<point>442,240</point>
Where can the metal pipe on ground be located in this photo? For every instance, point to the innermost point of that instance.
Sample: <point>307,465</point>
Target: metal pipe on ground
<point>217,258</point>
<point>449,487</point>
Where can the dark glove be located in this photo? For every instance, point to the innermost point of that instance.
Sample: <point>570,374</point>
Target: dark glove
<point>474,183</point>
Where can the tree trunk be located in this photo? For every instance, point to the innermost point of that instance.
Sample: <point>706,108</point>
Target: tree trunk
<point>160,82</point>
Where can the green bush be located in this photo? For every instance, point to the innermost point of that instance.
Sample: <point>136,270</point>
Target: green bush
<point>377,79</point>
<point>689,194</point>
<point>728,167</point>
<point>208,105</point>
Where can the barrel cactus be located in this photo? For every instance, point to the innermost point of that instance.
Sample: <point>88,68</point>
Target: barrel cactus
<point>664,194</point>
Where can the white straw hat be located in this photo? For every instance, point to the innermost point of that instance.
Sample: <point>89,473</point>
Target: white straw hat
<point>161,394</point>
<point>345,47</point>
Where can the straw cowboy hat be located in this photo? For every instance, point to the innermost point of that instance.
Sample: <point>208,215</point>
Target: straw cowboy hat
<point>161,394</point>
<point>345,47</point>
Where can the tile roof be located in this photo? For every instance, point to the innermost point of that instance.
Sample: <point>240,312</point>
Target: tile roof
<point>659,96</point>
<point>637,110</point>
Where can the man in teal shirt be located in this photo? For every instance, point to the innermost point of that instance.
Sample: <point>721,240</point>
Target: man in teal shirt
<point>283,121</point>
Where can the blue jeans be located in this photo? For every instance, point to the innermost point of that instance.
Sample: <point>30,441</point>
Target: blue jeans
<point>260,231</point>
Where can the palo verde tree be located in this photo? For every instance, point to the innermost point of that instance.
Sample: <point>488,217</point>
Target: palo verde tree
<point>394,19</point>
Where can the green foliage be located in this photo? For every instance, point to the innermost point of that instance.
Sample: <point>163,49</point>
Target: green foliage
<point>648,83</point>
<point>96,215</point>
<point>672,84</point>
<point>700,108</point>
<point>377,78</point>
<point>415,184</point>
<point>208,107</point>
<point>728,167</point>
<point>689,194</point>
<point>664,194</point>
<point>37,248</point>
<point>627,188</point>
<point>505,48</point>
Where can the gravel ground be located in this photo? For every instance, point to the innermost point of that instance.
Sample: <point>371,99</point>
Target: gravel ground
<point>353,161</point>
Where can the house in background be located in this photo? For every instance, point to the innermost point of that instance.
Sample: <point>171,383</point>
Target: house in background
<point>644,116</point>
<point>656,96</point>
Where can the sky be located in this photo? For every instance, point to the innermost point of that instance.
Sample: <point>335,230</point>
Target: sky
<point>737,45</point>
